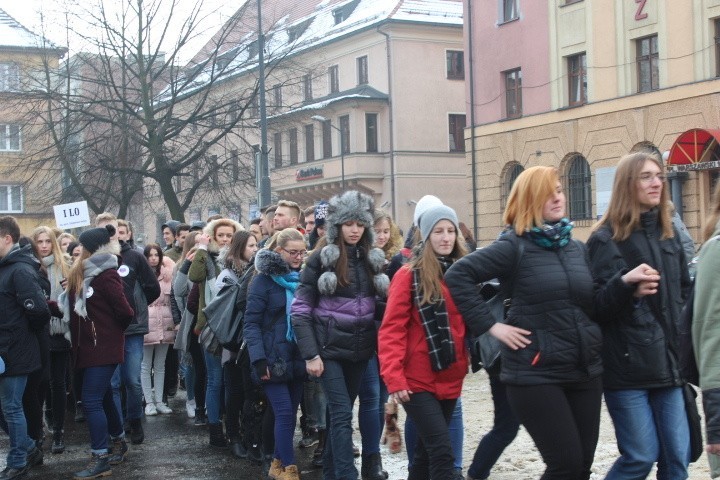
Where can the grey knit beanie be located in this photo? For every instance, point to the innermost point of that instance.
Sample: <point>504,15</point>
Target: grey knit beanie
<point>432,216</point>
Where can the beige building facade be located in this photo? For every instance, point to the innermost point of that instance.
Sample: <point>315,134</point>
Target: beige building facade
<point>621,76</point>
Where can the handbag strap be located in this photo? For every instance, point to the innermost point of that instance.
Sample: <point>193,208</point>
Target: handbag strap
<point>516,268</point>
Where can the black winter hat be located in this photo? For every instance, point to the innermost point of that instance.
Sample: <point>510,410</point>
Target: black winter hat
<point>93,239</point>
<point>172,225</point>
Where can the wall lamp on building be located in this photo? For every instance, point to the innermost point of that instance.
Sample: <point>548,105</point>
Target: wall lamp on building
<point>411,202</point>
<point>321,119</point>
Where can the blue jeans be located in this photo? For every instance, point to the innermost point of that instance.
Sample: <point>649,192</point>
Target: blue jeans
<point>650,425</point>
<point>456,435</point>
<point>284,399</point>
<point>128,375</point>
<point>213,391</point>
<point>504,430</point>
<point>99,407</point>
<point>187,371</point>
<point>315,403</point>
<point>368,412</point>
<point>341,381</point>
<point>11,393</point>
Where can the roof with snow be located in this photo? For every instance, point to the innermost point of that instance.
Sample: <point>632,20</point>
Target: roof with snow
<point>15,36</point>
<point>359,93</point>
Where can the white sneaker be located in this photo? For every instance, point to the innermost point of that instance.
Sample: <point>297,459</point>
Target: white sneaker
<point>190,407</point>
<point>150,410</point>
<point>162,408</point>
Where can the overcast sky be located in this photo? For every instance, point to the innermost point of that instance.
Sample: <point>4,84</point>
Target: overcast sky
<point>28,13</point>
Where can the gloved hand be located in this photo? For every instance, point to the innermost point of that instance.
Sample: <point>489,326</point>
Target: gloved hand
<point>261,369</point>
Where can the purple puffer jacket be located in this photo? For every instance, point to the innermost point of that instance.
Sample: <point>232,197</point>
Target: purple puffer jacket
<point>339,326</point>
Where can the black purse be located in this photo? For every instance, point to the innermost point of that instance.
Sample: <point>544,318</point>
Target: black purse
<point>485,348</point>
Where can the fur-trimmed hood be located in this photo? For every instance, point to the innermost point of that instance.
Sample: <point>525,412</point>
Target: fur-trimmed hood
<point>270,263</point>
<point>348,206</point>
<point>329,255</point>
<point>212,226</point>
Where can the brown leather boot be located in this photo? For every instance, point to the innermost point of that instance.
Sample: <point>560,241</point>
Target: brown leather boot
<point>290,473</point>
<point>392,436</point>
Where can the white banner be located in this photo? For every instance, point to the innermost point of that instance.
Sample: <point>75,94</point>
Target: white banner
<point>72,215</point>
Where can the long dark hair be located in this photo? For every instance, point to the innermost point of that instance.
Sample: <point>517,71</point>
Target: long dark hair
<point>149,248</point>
<point>236,249</point>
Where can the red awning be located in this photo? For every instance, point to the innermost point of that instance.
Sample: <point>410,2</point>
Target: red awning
<point>692,146</point>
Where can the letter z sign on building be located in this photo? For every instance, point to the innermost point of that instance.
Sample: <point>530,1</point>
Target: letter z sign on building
<point>72,215</point>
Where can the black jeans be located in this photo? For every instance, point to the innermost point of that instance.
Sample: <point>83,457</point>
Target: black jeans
<point>505,428</point>
<point>234,398</point>
<point>172,364</point>
<point>433,453</point>
<point>563,421</point>
<point>58,387</point>
<point>198,359</point>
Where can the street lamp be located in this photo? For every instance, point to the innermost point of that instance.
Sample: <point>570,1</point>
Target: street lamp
<point>321,119</point>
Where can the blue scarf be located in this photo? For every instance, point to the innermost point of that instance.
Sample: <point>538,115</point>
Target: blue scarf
<point>552,236</point>
<point>289,282</point>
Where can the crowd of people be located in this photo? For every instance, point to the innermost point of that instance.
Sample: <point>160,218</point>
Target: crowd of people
<point>316,309</point>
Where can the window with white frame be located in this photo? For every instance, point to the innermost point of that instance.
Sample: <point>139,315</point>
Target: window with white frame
<point>11,199</point>
<point>9,77</point>
<point>510,10</point>
<point>10,138</point>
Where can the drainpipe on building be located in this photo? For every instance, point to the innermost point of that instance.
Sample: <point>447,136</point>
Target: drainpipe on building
<point>473,166</point>
<point>391,123</point>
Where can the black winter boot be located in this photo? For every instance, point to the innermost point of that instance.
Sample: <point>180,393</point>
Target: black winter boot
<point>317,459</point>
<point>200,417</point>
<point>371,468</point>
<point>118,451</point>
<point>98,467</point>
<point>137,435</point>
<point>237,448</point>
<point>217,437</point>
<point>58,445</point>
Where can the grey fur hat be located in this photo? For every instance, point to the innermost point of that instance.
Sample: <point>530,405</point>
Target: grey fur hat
<point>347,206</point>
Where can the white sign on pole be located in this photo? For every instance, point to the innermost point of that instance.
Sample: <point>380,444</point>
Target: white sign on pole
<point>72,215</point>
<point>604,178</point>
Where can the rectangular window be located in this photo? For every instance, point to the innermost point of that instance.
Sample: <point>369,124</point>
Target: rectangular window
<point>510,10</point>
<point>293,147</point>
<point>717,46</point>
<point>371,133</point>
<point>253,108</point>
<point>277,97</point>
<point>309,142</point>
<point>11,198</point>
<point>235,165</point>
<point>307,87</point>
<point>457,132</point>
<point>577,79</point>
<point>362,70</point>
<point>10,138</point>
<point>327,138</point>
<point>647,64</point>
<point>513,93</point>
<point>333,79</point>
<point>345,134</point>
<point>9,77</point>
<point>455,65</point>
<point>277,149</point>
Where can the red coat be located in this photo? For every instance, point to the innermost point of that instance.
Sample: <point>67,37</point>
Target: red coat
<point>109,312</point>
<point>403,350</point>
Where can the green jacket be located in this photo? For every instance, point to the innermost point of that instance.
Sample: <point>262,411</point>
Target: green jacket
<point>706,332</point>
<point>203,271</point>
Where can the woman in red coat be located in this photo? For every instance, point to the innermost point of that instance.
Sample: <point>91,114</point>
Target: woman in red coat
<point>95,306</point>
<point>421,343</point>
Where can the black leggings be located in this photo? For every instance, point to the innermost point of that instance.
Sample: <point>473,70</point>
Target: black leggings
<point>563,421</point>
<point>58,387</point>
<point>200,374</point>
<point>234,398</point>
<point>433,452</point>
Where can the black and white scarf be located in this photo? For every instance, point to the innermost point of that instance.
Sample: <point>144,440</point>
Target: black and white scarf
<point>94,266</point>
<point>436,324</point>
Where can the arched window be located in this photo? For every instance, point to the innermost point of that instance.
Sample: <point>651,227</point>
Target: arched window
<point>512,171</point>
<point>579,188</point>
<point>648,147</point>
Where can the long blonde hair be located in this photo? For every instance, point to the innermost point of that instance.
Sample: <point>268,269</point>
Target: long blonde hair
<point>395,242</point>
<point>431,274</point>
<point>60,262</point>
<point>282,237</point>
<point>714,216</point>
<point>77,272</point>
<point>532,188</point>
<point>623,213</point>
